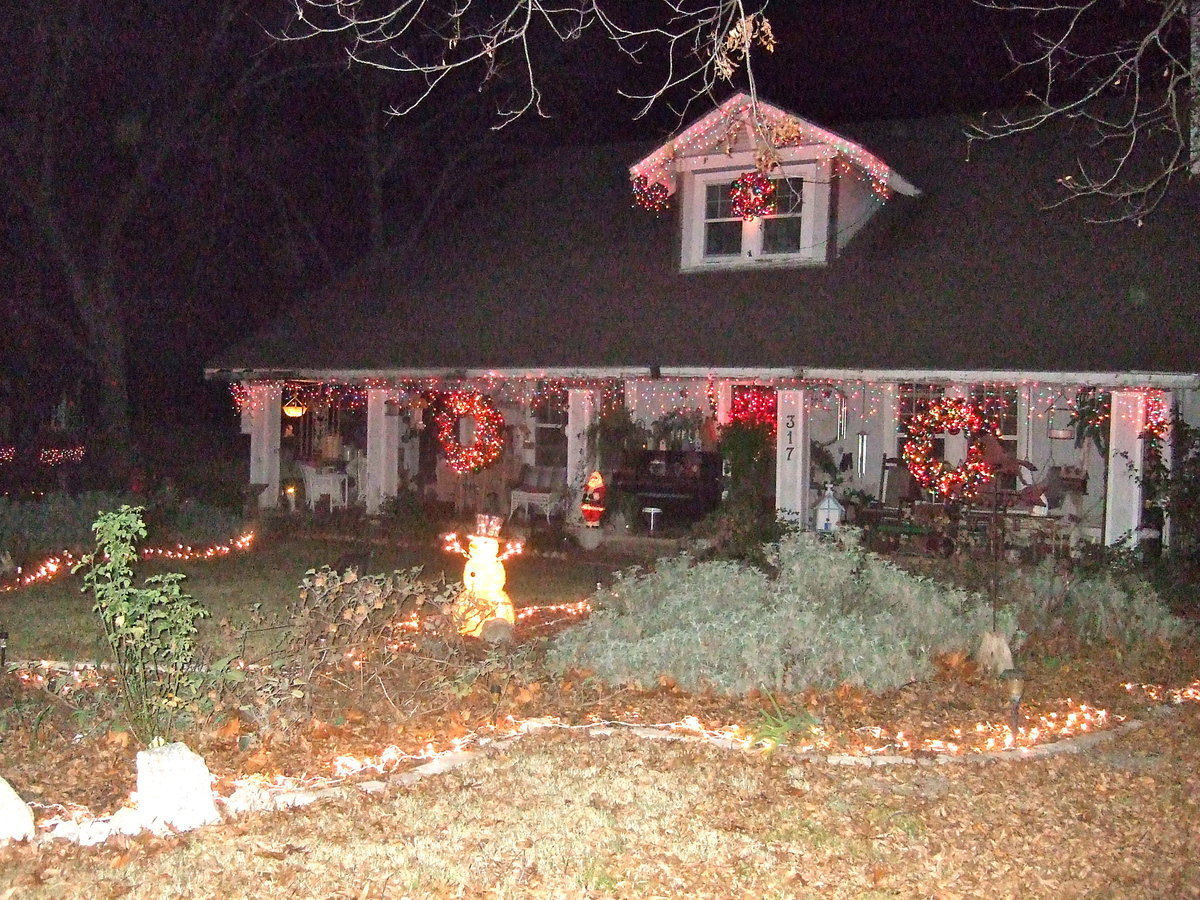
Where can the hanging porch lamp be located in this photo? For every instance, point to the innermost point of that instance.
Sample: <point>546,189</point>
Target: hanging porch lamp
<point>1058,419</point>
<point>292,407</point>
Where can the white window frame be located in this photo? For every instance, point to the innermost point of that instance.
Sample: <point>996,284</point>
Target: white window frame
<point>814,213</point>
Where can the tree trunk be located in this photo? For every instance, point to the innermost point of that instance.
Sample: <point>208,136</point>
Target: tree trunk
<point>1194,105</point>
<point>112,454</point>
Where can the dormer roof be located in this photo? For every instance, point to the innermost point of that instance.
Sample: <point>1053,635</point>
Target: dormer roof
<point>745,122</point>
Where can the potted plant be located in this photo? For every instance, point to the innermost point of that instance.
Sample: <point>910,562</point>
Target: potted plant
<point>615,438</point>
<point>622,512</point>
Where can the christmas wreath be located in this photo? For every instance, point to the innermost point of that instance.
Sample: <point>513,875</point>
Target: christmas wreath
<point>752,195</point>
<point>952,482</point>
<point>488,445</point>
<point>652,197</point>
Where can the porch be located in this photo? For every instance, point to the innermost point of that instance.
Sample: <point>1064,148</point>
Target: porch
<point>1073,449</point>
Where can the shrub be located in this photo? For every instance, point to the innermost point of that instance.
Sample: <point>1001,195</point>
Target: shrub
<point>1091,607</point>
<point>151,630</point>
<point>832,614</point>
<point>336,614</point>
<point>742,527</point>
<point>60,521</point>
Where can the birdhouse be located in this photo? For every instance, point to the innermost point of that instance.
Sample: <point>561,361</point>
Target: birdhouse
<point>828,512</point>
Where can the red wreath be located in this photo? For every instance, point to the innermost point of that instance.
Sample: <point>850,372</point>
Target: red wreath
<point>652,197</point>
<point>753,195</point>
<point>952,416</point>
<point>488,445</point>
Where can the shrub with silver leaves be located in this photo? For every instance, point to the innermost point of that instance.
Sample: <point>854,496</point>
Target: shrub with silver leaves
<point>832,614</point>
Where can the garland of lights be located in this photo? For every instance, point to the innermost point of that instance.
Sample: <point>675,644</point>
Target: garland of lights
<point>653,197</point>
<point>953,416</point>
<point>754,406</point>
<point>488,445</point>
<point>47,456</point>
<point>753,195</point>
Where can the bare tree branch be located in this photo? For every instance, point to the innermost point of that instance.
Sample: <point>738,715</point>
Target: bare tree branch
<point>701,42</point>
<point>1137,92</point>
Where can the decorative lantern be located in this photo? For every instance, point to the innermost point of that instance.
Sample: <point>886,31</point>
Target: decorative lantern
<point>828,512</point>
<point>292,407</point>
<point>593,500</point>
<point>484,609</point>
<point>1060,420</point>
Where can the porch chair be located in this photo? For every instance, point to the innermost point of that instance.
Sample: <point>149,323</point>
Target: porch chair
<point>897,487</point>
<point>539,488</point>
<point>318,484</point>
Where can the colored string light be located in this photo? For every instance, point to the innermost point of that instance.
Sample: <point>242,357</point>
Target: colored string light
<point>653,197</point>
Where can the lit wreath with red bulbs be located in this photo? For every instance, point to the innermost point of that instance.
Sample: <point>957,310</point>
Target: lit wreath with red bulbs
<point>752,195</point>
<point>652,197</point>
<point>488,445</point>
<point>952,416</point>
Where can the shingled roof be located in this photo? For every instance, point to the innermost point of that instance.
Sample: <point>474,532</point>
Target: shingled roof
<point>559,271</point>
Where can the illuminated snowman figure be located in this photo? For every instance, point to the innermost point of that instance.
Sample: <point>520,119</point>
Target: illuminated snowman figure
<point>484,609</point>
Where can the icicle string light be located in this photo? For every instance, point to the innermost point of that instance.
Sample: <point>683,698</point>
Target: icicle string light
<point>719,131</point>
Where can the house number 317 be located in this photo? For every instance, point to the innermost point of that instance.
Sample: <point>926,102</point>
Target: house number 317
<point>789,423</point>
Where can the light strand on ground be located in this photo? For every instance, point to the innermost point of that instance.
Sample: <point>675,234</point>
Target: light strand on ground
<point>61,563</point>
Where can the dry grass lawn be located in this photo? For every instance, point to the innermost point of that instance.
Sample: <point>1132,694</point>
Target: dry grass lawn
<point>563,815</point>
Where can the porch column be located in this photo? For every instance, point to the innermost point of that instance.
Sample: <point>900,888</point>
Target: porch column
<point>1123,494</point>
<point>889,444</point>
<point>724,401</point>
<point>383,451</point>
<point>261,418</point>
<point>583,408</point>
<point>792,458</point>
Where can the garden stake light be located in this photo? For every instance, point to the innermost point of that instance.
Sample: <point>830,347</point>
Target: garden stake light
<point>1016,686</point>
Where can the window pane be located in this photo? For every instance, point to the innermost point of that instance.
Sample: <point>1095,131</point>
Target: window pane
<point>915,398</point>
<point>722,238</point>
<point>550,447</point>
<point>717,202</point>
<point>998,405</point>
<point>789,192</point>
<point>782,235</point>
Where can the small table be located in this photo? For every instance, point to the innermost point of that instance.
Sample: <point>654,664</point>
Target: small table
<point>653,512</point>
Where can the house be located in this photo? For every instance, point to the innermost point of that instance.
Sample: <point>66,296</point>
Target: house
<point>895,268</point>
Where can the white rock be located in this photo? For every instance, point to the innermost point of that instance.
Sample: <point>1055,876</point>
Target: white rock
<point>174,789</point>
<point>16,816</point>
<point>249,798</point>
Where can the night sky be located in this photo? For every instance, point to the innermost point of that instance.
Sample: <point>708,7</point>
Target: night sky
<point>272,204</point>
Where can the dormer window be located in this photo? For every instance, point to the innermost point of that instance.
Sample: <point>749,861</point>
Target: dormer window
<point>826,187</point>
<point>714,236</point>
<point>726,235</point>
